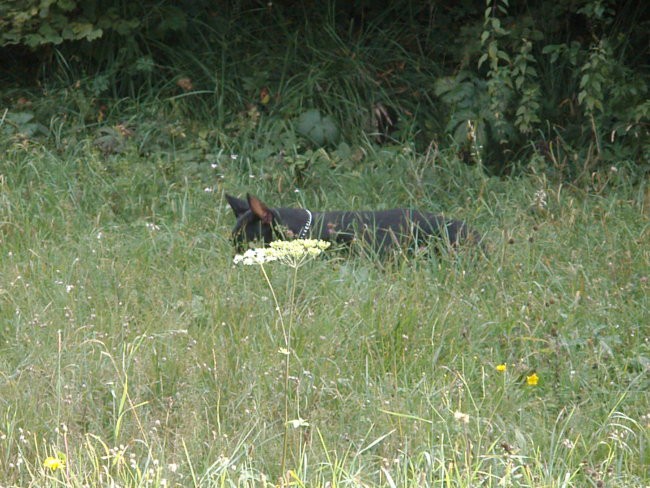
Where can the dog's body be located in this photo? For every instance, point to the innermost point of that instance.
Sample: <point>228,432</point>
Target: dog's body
<point>378,230</point>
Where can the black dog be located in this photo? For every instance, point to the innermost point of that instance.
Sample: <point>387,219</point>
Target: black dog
<point>379,230</point>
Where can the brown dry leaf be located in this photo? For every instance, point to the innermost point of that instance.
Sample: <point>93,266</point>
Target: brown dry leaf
<point>124,130</point>
<point>185,83</point>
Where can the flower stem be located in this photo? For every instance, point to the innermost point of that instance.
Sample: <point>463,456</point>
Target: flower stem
<point>286,334</point>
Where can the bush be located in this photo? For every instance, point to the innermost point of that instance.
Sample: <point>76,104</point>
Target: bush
<point>485,77</point>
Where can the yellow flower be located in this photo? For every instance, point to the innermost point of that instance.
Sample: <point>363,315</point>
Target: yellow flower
<point>501,368</point>
<point>55,463</point>
<point>532,380</point>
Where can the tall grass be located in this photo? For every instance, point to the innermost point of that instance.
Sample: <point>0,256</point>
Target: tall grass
<point>133,353</point>
<point>132,348</point>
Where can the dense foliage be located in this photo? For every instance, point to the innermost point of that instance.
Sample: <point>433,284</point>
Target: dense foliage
<point>561,86</point>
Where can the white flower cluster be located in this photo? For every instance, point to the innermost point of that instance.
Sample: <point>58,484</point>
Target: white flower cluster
<point>540,199</point>
<point>254,256</point>
<point>287,252</point>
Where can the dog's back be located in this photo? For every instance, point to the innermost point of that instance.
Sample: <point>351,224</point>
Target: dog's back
<point>399,227</point>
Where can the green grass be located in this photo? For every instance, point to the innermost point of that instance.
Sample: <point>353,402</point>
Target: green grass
<point>131,345</point>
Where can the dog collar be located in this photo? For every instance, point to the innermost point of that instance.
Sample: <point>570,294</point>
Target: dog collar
<point>305,228</point>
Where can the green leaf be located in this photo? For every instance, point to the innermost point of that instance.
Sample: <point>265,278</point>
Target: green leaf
<point>66,5</point>
<point>319,129</point>
<point>519,82</point>
<point>492,50</point>
<point>144,64</point>
<point>581,96</point>
<point>444,85</point>
<point>99,84</point>
<point>85,30</point>
<point>503,55</point>
<point>49,35</point>
<point>20,118</point>
<point>34,40</point>
<point>343,151</point>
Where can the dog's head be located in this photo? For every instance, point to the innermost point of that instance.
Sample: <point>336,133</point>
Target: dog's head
<point>255,221</point>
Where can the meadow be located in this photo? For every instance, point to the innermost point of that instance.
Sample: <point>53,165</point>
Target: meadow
<point>133,352</point>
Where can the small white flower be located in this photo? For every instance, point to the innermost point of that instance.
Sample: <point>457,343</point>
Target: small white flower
<point>540,199</point>
<point>568,443</point>
<point>461,417</point>
<point>297,423</point>
<point>255,256</point>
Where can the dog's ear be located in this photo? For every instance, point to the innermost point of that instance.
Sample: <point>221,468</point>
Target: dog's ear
<point>238,205</point>
<point>259,209</point>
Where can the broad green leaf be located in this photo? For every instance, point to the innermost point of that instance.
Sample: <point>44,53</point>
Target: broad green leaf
<point>492,50</point>
<point>66,5</point>
<point>19,118</point>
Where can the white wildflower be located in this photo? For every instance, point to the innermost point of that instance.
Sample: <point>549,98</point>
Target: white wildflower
<point>291,253</point>
<point>540,199</point>
<point>568,443</point>
<point>255,256</point>
<point>297,423</point>
<point>461,417</point>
